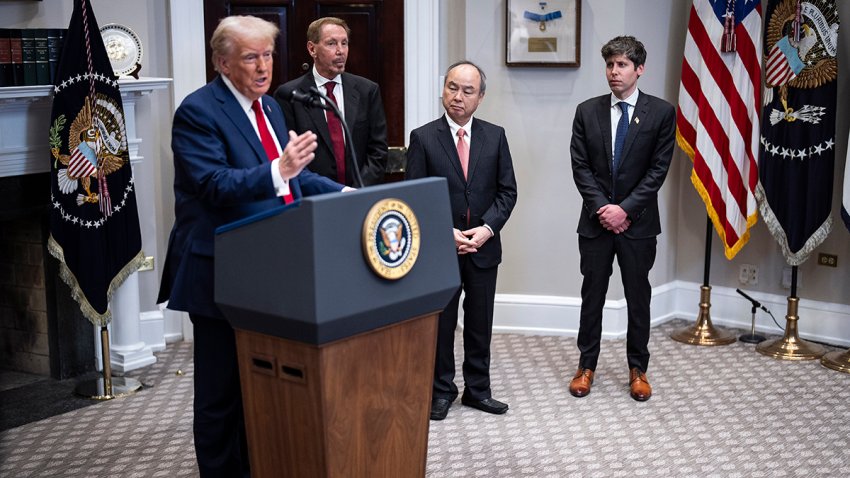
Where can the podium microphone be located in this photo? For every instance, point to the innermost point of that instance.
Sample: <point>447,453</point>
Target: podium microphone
<point>752,337</point>
<point>313,99</point>
<point>308,99</point>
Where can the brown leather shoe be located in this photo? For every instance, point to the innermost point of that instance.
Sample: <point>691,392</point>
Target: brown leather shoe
<point>580,384</point>
<point>639,385</point>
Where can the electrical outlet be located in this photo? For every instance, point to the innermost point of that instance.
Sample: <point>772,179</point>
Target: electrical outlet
<point>830,260</point>
<point>147,264</point>
<point>748,274</point>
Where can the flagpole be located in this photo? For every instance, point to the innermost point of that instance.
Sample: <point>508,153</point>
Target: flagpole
<point>703,332</point>
<point>791,346</point>
<point>106,387</point>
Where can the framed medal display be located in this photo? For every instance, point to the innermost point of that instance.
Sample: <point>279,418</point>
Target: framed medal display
<point>543,33</point>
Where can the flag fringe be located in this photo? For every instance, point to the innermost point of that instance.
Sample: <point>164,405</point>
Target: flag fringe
<point>684,145</point>
<point>729,252</point>
<point>778,233</point>
<point>93,316</point>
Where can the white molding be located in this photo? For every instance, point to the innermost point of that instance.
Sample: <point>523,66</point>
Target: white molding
<point>188,52</point>
<point>559,315</point>
<point>25,112</point>
<point>152,330</point>
<point>422,62</point>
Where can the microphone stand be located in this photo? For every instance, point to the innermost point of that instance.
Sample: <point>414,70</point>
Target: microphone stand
<point>752,337</point>
<point>331,106</point>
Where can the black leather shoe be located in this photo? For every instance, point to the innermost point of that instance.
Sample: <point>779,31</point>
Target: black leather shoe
<point>489,405</point>
<point>440,408</point>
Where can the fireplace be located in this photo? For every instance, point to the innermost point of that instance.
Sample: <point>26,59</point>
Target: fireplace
<point>41,327</point>
<point>43,331</point>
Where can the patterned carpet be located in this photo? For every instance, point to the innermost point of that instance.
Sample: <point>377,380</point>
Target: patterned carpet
<point>716,411</point>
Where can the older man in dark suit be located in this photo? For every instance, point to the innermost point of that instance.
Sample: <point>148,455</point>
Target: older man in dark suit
<point>621,149</point>
<point>359,100</point>
<point>233,158</point>
<point>474,157</point>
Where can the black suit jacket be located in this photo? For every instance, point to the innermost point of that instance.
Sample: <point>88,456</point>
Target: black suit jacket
<point>364,114</point>
<point>643,167</point>
<point>490,192</point>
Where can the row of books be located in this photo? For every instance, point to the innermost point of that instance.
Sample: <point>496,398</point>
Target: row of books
<point>29,56</point>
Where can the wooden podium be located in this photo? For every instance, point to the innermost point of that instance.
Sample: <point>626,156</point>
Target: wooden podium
<point>336,362</point>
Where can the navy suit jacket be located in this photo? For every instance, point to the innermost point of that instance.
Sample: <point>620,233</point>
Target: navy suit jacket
<point>490,192</point>
<point>643,167</point>
<point>364,114</point>
<point>221,174</point>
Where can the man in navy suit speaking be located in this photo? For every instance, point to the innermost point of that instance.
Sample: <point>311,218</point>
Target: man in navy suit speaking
<point>233,157</point>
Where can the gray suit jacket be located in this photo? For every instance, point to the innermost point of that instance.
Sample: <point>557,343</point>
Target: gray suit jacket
<point>364,114</point>
<point>643,167</point>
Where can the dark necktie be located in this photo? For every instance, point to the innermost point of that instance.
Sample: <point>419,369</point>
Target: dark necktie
<point>335,128</point>
<point>619,140</point>
<point>266,138</point>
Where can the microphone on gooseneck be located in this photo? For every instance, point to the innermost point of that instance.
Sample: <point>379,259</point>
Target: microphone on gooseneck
<point>310,99</point>
<point>755,303</point>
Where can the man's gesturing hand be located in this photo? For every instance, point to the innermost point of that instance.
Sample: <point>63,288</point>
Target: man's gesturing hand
<point>297,154</point>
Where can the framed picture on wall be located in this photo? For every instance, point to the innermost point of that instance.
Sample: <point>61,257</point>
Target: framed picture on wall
<point>543,33</point>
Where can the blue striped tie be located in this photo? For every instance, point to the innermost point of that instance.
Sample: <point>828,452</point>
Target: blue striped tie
<point>619,140</point>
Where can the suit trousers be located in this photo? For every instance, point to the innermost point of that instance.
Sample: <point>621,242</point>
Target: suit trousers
<point>635,258</point>
<point>219,426</point>
<point>479,287</point>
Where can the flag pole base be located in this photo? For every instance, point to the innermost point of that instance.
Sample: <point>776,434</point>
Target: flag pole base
<point>791,346</point>
<point>838,360</point>
<point>703,332</point>
<point>95,389</point>
<point>107,387</point>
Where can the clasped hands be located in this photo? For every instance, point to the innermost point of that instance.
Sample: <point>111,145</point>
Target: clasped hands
<point>471,239</point>
<point>613,218</point>
<point>297,154</point>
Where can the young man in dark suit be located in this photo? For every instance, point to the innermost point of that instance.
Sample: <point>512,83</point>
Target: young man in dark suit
<point>474,157</point>
<point>233,157</point>
<point>621,148</point>
<point>359,100</point>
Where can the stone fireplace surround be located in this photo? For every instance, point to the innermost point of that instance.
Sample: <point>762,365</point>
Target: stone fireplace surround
<point>41,328</point>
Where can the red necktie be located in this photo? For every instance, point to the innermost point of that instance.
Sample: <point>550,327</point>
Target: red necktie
<point>335,128</point>
<point>266,138</point>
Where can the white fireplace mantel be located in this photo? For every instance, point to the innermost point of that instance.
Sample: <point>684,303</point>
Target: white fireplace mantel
<point>25,120</point>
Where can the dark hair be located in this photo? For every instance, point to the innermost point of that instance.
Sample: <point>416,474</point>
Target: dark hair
<point>482,87</point>
<point>625,45</point>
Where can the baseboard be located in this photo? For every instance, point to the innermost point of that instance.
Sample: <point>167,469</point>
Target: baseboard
<point>152,330</point>
<point>556,315</point>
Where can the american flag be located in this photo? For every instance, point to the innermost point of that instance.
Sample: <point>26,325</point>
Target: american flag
<point>717,122</point>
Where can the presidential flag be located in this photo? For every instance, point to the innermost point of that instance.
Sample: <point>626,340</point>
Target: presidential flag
<point>717,122</point>
<point>797,154</point>
<point>94,223</point>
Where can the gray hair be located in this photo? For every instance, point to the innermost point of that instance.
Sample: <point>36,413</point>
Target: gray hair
<point>482,87</point>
